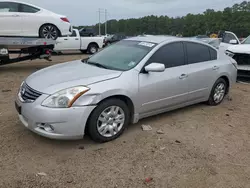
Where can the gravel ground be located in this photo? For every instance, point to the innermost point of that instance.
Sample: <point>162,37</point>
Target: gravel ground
<point>201,146</point>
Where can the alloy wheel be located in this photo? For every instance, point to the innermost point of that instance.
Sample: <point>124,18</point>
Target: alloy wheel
<point>219,92</point>
<point>110,121</point>
<point>50,32</point>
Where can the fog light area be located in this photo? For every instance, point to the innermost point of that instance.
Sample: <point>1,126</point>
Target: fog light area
<point>45,126</point>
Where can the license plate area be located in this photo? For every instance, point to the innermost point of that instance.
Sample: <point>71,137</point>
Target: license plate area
<point>18,108</point>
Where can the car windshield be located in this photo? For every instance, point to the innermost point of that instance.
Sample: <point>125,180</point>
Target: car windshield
<point>246,41</point>
<point>123,55</point>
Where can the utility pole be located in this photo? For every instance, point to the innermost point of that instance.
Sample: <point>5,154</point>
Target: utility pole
<point>106,12</point>
<point>99,11</point>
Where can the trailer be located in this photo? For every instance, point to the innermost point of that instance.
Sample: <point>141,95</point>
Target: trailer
<point>27,48</point>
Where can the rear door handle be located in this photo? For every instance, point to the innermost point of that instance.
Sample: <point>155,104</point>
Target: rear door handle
<point>65,39</point>
<point>183,76</point>
<point>15,15</point>
<point>215,68</point>
<point>76,39</point>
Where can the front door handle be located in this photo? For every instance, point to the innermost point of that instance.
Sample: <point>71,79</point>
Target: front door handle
<point>215,68</point>
<point>15,15</point>
<point>183,76</point>
<point>76,39</point>
<point>65,39</point>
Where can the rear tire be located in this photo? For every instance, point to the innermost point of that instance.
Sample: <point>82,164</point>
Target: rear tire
<point>105,124</point>
<point>49,31</point>
<point>92,48</point>
<point>218,92</point>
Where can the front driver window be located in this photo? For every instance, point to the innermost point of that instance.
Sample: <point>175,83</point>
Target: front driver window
<point>171,55</point>
<point>73,34</point>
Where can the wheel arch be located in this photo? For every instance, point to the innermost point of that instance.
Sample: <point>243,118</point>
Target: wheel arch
<point>227,81</point>
<point>121,97</point>
<point>93,43</point>
<point>60,33</point>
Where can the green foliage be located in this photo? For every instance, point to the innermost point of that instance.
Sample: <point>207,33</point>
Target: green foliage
<point>235,19</point>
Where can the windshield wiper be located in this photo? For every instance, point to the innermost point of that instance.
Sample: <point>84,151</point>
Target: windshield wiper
<point>97,64</point>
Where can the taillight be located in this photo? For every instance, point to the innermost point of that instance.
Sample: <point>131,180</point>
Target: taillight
<point>65,19</point>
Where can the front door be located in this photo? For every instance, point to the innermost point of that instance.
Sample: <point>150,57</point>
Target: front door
<point>10,19</point>
<point>71,42</point>
<point>161,90</point>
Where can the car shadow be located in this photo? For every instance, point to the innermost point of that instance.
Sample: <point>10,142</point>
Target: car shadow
<point>87,143</point>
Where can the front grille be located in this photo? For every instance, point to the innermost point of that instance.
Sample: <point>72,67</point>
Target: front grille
<point>28,94</point>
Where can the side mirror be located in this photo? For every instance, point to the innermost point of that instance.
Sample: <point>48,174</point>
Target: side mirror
<point>155,67</point>
<point>233,41</point>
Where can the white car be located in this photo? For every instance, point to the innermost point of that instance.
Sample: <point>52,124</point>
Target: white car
<point>26,20</point>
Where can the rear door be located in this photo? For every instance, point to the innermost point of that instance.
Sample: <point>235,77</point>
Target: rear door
<point>202,69</point>
<point>72,42</point>
<point>10,20</point>
<point>161,90</point>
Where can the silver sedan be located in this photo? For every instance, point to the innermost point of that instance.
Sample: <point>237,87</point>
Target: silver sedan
<point>125,82</point>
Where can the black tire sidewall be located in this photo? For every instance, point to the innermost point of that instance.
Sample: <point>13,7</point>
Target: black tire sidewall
<point>92,122</point>
<point>211,98</point>
<point>92,46</point>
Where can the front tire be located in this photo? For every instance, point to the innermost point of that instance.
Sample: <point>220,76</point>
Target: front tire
<point>92,48</point>
<point>108,120</point>
<point>218,92</point>
<point>49,31</point>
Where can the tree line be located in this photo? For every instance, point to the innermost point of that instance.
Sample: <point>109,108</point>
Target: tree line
<point>235,19</point>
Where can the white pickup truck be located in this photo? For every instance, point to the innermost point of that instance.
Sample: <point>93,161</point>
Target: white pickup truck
<point>77,42</point>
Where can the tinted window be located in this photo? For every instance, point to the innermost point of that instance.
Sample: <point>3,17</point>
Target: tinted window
<point>197,53</point>
<point>28,9</point>
<point>213,53</point>
<point>171,55</point>
<point>228,37</point>
<point>73,34</point>
<point>8,7</point>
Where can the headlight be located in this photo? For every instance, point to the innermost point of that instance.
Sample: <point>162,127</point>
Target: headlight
<point>65,98</point>
<point>230,54</point>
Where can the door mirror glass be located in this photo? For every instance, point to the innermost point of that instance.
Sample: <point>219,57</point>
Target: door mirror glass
<point>155,67</point>
<point>233,41</point>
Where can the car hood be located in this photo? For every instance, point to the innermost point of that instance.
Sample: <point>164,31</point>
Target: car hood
<point>66,75</point>
<point>240,49</point>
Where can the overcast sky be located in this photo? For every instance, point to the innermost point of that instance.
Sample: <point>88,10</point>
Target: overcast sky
<point>85,12</point>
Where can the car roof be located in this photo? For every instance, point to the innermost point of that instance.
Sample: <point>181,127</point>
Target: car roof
<point>153,38</point>
<point>22,2</point>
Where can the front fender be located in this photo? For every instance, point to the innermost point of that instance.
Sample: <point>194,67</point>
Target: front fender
<point>95,98</point>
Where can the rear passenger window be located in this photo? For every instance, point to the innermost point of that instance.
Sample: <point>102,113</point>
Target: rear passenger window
<point>213,53</point>
<point>28,9</point>
<point>197,53</point>
<point>171,55</point>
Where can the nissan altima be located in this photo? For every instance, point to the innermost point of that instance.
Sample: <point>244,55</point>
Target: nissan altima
<point>125,82</point>
<point>22,19</point>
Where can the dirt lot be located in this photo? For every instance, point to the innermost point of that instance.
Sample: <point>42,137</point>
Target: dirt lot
<point>202,146</point>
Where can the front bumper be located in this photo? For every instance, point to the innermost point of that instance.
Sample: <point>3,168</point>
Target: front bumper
<point>61,123</point>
